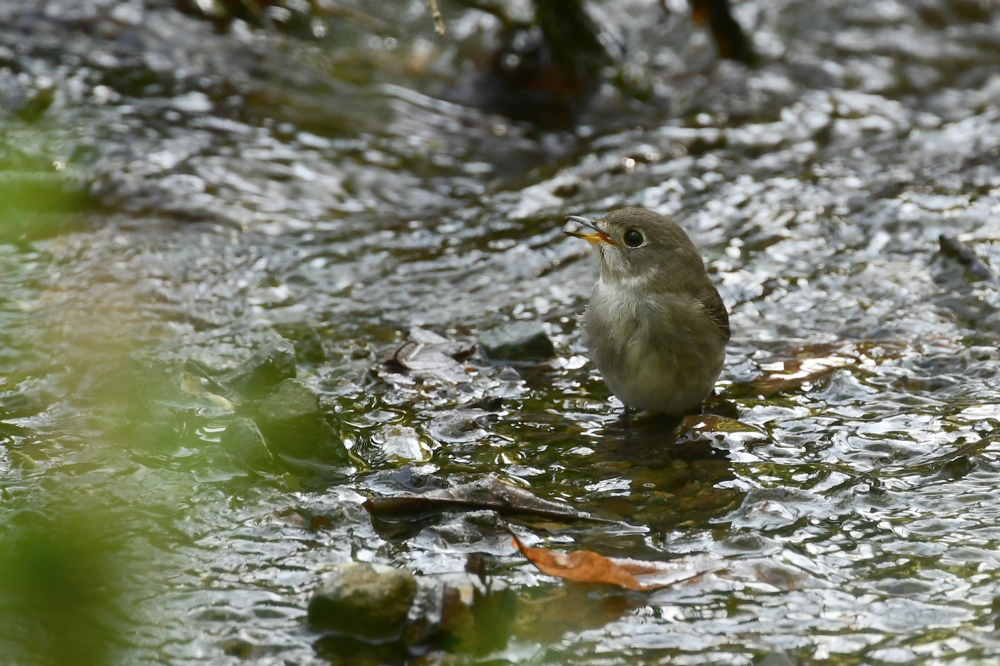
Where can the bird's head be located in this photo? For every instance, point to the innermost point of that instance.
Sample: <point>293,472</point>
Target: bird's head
<point>639,247</point>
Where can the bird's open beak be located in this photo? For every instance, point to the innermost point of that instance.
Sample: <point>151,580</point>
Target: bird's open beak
<point>595,238</point>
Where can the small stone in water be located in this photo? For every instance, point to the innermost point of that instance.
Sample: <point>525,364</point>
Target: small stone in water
<point>306,339</point>
<point>400,442</point>
<point>517,341</point>
<point>429,356</point>
<point>244,441</point>
<point>965,255</point>
<point>292,420</point>
<point>365,600</point>
<point>266,367</point>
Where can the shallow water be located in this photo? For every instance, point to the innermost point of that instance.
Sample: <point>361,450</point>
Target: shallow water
<point>247,183</point>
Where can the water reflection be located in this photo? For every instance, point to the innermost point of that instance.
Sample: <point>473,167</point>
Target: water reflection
<point>236,186</point>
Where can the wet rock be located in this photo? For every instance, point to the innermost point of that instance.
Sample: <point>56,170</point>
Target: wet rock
<point>306,339</point>
<point>365,600</point>
<point>245,442</point>
<point>269,365</point>
<point>517,341</point>
<point>428,356</point>
<point>292,420</point>
<point>400,442</point>
<point>459,427</point>
<point>406,479</point>
<point>966,255</point>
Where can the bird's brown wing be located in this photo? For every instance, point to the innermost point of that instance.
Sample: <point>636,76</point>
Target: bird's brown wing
<point>716,309</point>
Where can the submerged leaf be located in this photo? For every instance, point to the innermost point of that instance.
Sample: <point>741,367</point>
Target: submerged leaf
<point>811,363</point>
<point>588,567</point>
<point>488,493</point>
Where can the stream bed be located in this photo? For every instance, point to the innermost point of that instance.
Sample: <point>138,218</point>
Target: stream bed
<point>181,197</point>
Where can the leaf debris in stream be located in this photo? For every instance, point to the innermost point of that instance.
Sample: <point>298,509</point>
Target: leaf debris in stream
<point>586,566</point>
<point>428,356</point>
<point>488,493</point>
<point>809,364</point>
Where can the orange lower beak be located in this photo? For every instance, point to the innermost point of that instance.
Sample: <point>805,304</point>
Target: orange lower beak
<point>595,238</point>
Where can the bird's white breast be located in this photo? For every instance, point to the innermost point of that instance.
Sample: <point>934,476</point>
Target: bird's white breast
<point>644,347</point>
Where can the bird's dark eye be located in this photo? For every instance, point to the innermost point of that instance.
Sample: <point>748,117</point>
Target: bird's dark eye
<point>633,238</point>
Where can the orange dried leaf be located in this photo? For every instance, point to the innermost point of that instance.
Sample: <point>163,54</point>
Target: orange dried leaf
<point>588,567</point>
<point>580,565</point>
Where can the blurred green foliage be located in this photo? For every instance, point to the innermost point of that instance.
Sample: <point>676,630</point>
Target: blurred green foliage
<point>61,583</point>
<point>36,205</point>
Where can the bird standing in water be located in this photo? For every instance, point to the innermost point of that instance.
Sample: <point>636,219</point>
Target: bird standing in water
<point>656,327</point>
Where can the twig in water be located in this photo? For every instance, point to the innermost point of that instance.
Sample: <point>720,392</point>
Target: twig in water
<point>436,15</point>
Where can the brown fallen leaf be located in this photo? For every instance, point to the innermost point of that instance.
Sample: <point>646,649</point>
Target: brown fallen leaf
<point>588,567</point>
<point>487,493</point>
<point>809,364</point>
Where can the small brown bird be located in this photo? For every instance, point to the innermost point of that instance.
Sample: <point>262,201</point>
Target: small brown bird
<point>656,326</point>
